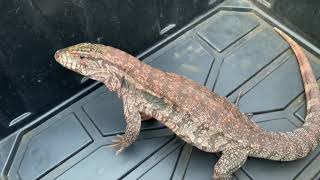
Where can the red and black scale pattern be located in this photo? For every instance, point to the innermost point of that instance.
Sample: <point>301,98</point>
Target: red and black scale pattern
<point>233,47</point>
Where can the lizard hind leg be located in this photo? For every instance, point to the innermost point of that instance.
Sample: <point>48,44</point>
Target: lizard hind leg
<point>133,120</point>
<point>230,161</point>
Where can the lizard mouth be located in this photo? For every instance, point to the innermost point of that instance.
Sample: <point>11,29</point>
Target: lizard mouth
<point>63,59</point>
<point>79,64</point>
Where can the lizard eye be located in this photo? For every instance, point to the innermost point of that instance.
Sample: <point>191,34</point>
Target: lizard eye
<point>81,56</point>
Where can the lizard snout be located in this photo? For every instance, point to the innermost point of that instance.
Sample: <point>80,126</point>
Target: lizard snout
<point>57,55</point>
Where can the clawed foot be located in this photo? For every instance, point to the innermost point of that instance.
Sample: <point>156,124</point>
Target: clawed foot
<point>240,94</point>
<point>119,143</point>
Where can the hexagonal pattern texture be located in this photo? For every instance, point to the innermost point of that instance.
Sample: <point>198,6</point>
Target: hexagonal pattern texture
<point>228,50</point>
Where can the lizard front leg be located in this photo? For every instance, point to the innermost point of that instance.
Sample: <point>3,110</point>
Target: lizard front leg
<point>133,120</point>
<point>230,161</point>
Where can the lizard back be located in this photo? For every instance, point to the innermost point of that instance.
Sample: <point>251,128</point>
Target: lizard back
<point>188,96</point>
<point>222,115</point>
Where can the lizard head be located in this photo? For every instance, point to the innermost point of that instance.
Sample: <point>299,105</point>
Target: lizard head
<point>92,60</point>
<point>79,58</point>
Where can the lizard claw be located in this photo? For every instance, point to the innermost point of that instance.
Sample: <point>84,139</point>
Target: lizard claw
<point>119,143</point>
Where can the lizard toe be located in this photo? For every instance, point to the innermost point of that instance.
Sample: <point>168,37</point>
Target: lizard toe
<point>119,144</point>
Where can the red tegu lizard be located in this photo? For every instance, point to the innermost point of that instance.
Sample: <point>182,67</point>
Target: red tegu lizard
<point>197,115</point>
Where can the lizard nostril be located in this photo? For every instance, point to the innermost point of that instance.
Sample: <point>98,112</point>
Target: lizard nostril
<point>56,55</point>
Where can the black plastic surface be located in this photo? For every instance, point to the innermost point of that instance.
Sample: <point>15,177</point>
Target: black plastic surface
<point>301,15</point>
<point>251,57</point>
<point>32,30</point>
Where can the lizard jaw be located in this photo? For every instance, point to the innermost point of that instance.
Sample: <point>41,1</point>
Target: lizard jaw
<point>61,58</point>
<point>65,60</point>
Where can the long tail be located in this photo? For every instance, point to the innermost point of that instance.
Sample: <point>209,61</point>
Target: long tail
<point>301,141</point>
<point>310,84</point>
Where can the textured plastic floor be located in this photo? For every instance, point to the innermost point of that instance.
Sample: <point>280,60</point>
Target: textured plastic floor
<point>231,48</point>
